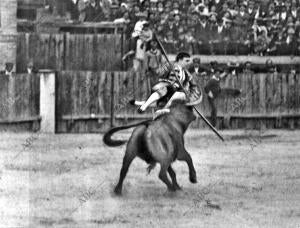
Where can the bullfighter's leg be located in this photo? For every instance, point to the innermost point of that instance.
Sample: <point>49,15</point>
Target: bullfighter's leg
<point>176,96</point>
<point>173,177</point>
<point>164,178</point>
<point>139,103</point>
<point>153,98</point>
<point>185,156</point>
<point>160,91</point>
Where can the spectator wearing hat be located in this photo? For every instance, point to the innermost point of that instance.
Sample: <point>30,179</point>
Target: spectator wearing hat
<point>135,13</point>
<point>145,5</point>
<point>176,9</point>
<point>213,32</point>
<point>169,41</point>
<point>160,7</point>
<point>227,33</point>
<point>245,46</point>
<point>213,89</point>
<point>191,41</point>
<point>283,14</point>
<point>170,26</point>
<point>217,4</point>
<point>191,9</point>
<point>202,31</point>
<point>278,41</point>
<point>121,11</point>
<point>247,68</point>
<point>153,6</point>
<point>218,34</point>
<point>289,46</point>
<point>294,12</point>
<point>261,42</point>
<point>243,15</point>
<point>223,11</point>
<point>181,40</point>
<point>271,11</point>
<point>251,11</point>
<point>177,21</point>
<point>197,69</point>
<point>93,11</point>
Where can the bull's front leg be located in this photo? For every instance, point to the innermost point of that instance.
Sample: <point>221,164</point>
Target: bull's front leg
<point>185,156</point>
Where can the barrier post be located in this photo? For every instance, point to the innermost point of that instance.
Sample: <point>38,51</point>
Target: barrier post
<point>47,101</point>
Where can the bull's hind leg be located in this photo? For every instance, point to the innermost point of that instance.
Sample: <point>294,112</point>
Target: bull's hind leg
<point>131,152</point>
<point>128,158</point>
<point>173,177</point>
<point>185,156</point>
<point>164,178</point>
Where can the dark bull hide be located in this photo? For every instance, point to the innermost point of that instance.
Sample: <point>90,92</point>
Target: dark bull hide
<point>160,140</point>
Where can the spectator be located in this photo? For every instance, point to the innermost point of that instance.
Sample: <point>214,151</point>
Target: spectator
<point>121,11</point>
<point>247,69</point>
<point>153,62</point>
<point>289,46</point>
<point>251,11</point>
<point>160,7</point>
<point>261,43</point>
<point>213,90</point>
<point>8,69</point>
<point>298,43</point>
<point>220,26</point>
<point>93,12</point>
<point>31,69</point>
<point>197,69</point>
<point>125,19</point>
<point>202,30</point>
<point>294,13</point>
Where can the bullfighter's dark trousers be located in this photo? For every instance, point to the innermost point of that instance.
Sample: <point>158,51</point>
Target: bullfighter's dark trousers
<point>213,115</point>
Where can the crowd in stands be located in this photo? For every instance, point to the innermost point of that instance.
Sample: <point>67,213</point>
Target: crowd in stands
<point>256,27</point>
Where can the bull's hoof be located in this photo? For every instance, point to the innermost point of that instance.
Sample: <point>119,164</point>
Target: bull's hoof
<point>177,187</point>
<point>172,189</point>
<point>193,179</point>
<point>118,191</point>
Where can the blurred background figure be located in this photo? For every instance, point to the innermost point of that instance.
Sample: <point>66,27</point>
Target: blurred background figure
<point>8,68</point>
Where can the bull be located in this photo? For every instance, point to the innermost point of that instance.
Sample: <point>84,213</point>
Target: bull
<point>157,141</point>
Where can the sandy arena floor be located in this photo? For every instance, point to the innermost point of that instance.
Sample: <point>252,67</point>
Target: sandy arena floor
<point>67,181</point>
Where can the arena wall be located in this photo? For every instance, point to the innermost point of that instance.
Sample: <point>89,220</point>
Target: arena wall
<point>87,101</point>
<point>8,31</point>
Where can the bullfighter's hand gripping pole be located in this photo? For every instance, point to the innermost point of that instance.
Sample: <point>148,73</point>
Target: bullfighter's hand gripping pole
<point>199,113</point>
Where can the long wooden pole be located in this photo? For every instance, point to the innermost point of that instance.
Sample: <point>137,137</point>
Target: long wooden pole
<point>199,113</point>
<point>112,101</point>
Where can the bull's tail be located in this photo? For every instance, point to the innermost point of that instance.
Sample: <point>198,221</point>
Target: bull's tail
<point>113,143</point>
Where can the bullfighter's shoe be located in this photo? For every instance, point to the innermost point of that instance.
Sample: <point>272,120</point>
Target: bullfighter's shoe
<point>140,110</point>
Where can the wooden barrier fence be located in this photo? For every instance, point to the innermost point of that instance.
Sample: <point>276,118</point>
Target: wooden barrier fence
<point>64,51</point>
<point>85,100</point>
<point>19,100</point>
<point>267,100</point>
